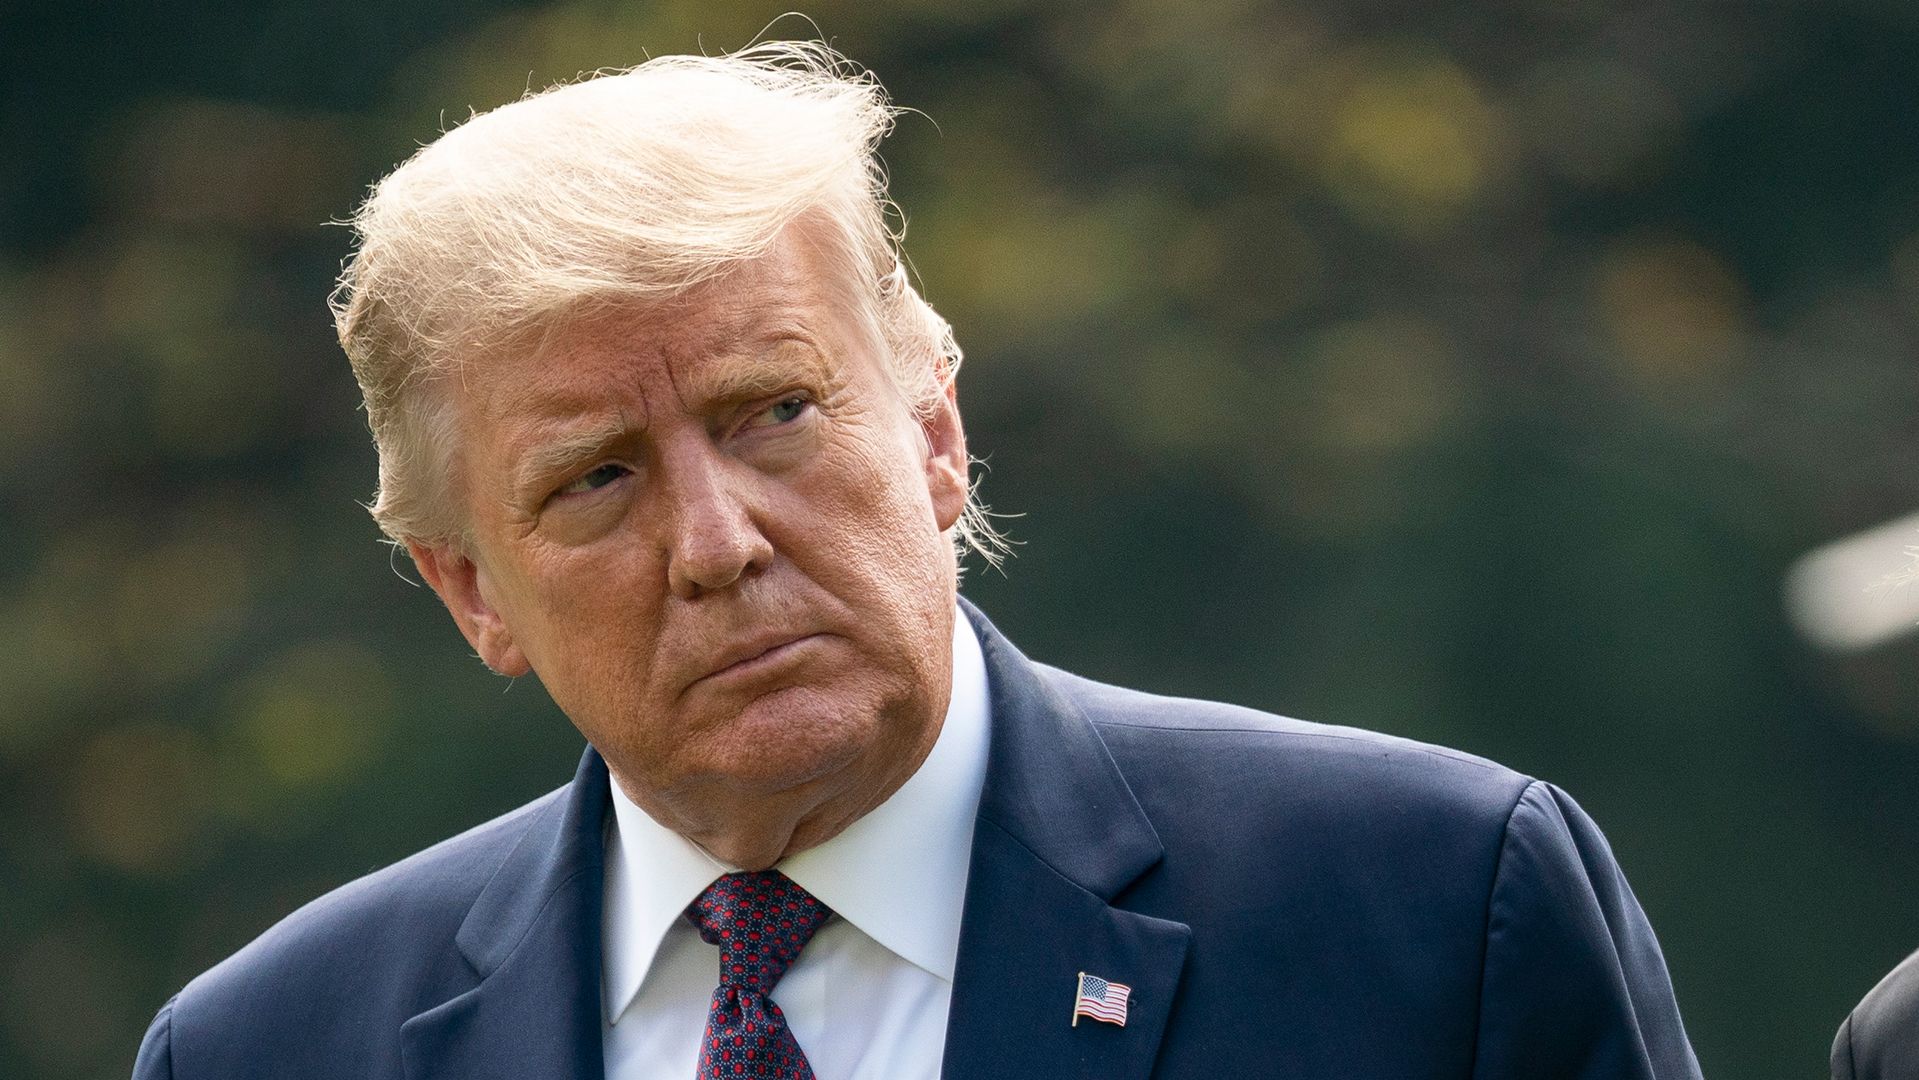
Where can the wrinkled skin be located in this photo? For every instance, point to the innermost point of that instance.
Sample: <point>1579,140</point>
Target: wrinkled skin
<point>656,496</point>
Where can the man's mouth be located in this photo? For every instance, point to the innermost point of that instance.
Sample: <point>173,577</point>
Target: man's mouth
<point>759,656</point>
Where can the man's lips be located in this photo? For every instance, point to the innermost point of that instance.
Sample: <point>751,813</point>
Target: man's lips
<point>752,658</point>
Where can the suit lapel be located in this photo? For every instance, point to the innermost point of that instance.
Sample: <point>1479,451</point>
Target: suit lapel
<point>533,939</point>
<point>1059,835</point>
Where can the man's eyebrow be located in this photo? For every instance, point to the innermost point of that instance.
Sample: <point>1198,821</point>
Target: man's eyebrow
<point>549,454</point>
<point>760,373</point>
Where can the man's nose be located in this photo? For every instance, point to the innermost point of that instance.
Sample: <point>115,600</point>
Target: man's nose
<point>712,540</point>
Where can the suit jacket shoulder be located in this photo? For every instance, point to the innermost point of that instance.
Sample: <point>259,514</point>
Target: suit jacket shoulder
<point>1880,1039</point>
<point>1177,743</point>
<point>1339,804</point>
<point>365,956</point>
<point>1474,911</point>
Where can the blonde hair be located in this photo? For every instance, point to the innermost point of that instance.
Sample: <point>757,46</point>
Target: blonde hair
<point>625,186</point>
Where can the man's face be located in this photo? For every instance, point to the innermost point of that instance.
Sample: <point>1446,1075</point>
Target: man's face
<point>714,530</point>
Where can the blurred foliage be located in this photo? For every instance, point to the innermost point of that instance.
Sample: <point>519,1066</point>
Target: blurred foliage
<point>1465,371</point>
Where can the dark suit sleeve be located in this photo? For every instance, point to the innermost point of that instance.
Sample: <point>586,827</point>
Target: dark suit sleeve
<point>156,1050</point>
<point>1880,1039</point>
<point>1842,1052</point>
<point>1574,984</point>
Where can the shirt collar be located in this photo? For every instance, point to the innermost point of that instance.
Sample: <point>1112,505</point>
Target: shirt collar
<point>898,873</point>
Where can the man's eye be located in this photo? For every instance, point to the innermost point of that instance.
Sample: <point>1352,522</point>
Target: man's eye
<point>598,478</point>
<point>785,412</point>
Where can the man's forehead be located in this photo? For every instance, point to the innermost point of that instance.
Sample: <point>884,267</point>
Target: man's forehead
<point>634,364</point>
<point>724,337</point>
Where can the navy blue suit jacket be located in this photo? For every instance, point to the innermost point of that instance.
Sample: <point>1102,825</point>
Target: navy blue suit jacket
<point>1285,899</point>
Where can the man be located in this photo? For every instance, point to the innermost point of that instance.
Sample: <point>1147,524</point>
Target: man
<point>661,420</point>
<point>1879,1040</point>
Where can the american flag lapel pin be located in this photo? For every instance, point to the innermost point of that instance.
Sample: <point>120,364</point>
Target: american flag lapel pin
<point>1101,999</point>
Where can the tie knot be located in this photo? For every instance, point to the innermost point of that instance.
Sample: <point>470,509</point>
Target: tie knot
<point>760,922</point>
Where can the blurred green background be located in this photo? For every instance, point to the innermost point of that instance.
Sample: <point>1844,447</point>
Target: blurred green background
<point>1468,371</point>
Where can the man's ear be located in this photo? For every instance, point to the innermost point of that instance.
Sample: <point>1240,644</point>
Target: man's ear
<point>946,459</point>
<point>462,588</point>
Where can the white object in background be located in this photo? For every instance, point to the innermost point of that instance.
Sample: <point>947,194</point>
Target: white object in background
<point>1858,592</point>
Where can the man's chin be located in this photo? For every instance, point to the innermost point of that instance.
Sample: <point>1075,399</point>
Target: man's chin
<point>789,739</point>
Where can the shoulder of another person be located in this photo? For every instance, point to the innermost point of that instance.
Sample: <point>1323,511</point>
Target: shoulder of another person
<point>1880,1039</point>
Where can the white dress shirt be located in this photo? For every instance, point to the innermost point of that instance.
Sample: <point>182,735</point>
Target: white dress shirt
<point>868,997</point>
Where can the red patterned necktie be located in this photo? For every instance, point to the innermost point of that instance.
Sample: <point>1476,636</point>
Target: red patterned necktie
<point>760,922</point>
